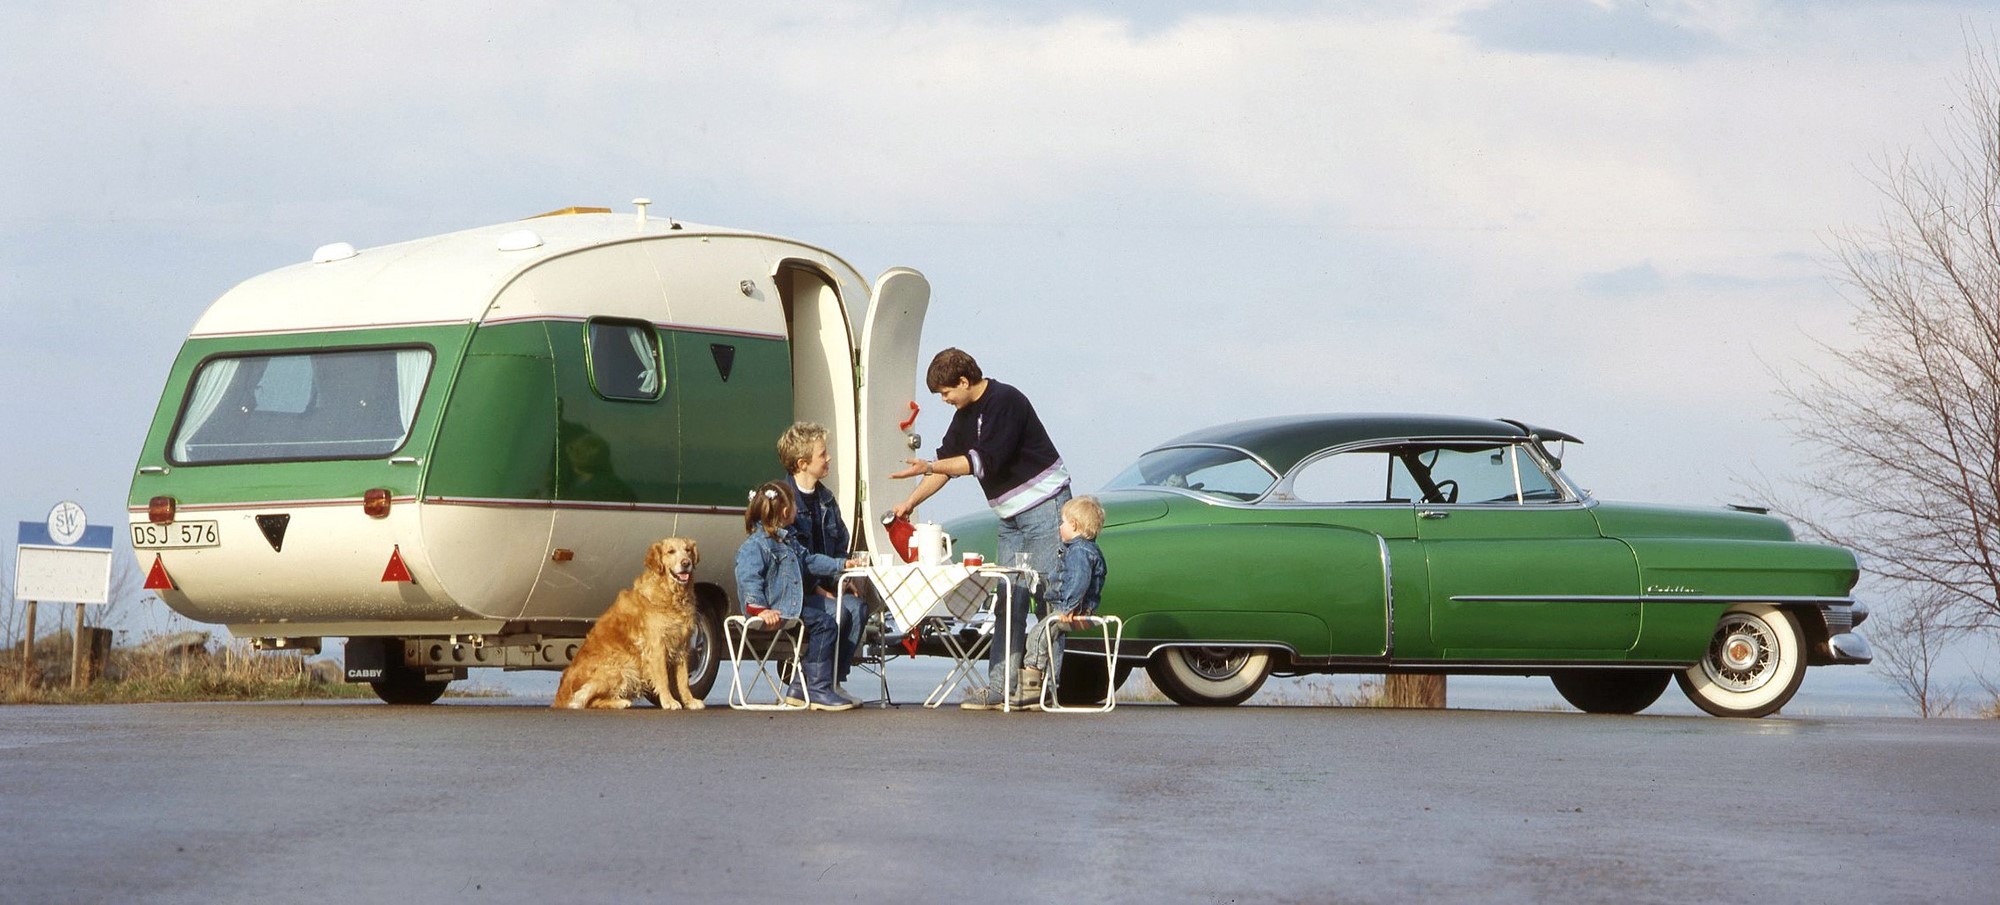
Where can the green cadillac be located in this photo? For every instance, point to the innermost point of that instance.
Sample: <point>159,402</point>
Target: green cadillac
<point>1424,544</point>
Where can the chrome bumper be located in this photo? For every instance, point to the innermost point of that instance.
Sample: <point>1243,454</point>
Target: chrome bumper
<point>1848,647</point>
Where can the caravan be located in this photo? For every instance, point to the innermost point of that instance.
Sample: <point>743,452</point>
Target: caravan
<point>454,451</point>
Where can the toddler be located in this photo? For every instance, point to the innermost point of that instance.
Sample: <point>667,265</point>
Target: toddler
<point>1075,589</point>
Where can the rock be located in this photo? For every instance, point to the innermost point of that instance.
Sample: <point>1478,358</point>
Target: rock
<point>183,643</point>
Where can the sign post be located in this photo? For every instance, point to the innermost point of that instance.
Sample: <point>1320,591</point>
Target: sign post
<point>62,558</point>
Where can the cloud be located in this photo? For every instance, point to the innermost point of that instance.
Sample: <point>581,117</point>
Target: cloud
<point>1592,28</point>
<point>1638,279</point>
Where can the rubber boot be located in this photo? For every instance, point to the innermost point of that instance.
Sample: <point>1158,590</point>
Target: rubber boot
<point>819,688</point>
<point>1030,695</point>
<point>999,678</point>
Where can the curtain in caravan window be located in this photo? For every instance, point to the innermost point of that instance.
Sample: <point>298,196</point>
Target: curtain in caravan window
<point>209,388</point>
<point>412,366</point>
<point>649,373</point>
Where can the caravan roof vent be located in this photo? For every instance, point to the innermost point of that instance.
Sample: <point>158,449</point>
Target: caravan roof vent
<point>520,240</point>
<point>337,251</point>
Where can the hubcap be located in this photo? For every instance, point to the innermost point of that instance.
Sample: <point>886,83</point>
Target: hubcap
<point>1739,659</point>
<point>1739,652</point>
<point>1215,663</point>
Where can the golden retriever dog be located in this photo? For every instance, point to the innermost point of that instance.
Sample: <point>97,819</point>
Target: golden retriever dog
<point>642,640</point>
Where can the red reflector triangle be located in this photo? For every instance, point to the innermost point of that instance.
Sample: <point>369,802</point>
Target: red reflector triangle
<point>157,579</point>
<point>396,570</point>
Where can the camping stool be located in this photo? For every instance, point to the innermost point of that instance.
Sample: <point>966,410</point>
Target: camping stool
<point>1114,632</point>
<point>748,639</point>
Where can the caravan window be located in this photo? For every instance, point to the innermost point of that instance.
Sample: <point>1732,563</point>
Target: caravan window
<point>625,360</point>
<point>349,404</point>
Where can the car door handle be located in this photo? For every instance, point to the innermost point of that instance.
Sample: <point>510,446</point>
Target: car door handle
<point>1433,513</point>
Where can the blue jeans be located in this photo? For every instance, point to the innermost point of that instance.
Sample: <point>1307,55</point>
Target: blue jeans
<point>854,612</point>
<point>1032,531</point>
<point>820,640</point>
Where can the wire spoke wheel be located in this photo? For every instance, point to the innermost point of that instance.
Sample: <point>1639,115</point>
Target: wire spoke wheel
<point>1212,676</point>
<point>1754,663</point>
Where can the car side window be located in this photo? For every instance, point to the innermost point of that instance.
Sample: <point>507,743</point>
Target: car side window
<point>1351,477</point>
<point>1490,474</point>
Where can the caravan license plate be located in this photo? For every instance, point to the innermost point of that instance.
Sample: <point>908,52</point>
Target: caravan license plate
<point>148,536</point>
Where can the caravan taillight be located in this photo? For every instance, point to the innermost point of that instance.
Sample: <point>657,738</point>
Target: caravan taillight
<point>376,503</point>
<point>160,510</point>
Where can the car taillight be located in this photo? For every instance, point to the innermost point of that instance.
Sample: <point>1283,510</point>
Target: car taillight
<point>376,502</point>
<point>160,510</point>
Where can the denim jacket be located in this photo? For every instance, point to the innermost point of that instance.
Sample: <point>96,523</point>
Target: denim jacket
<point>1079,580</point>
<point>770,572</point>
<point>827,535</point>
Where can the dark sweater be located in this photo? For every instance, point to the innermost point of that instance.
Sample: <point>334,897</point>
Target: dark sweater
<point>1012,456</point>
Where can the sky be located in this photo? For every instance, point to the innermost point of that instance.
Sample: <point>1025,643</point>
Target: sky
<point>1608,217</point>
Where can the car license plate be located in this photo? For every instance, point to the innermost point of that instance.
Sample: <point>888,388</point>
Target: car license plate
<point>149,536</point>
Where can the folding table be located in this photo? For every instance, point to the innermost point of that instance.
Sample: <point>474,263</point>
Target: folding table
<point>944,601</point>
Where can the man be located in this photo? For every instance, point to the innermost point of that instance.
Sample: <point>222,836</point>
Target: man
<point>996,436</point>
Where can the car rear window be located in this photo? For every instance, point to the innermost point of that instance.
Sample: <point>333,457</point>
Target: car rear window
<point>1215,471</point>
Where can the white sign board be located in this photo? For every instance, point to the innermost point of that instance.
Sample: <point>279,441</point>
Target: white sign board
<point>63,560</point>
<point>62,574</point>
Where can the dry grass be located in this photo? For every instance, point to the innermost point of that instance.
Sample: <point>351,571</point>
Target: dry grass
<point>228,673</point>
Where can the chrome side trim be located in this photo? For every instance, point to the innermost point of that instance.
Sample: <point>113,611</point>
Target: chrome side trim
<point>1388,599</point>
<point>1639,598</point>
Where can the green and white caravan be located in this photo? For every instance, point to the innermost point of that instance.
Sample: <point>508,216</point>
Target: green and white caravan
<point>454,451</point>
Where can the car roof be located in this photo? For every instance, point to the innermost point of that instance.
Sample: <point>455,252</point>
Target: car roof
<point>1285,440</point>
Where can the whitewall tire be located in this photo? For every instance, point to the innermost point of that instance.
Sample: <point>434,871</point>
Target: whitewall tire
<point>1753,665</point>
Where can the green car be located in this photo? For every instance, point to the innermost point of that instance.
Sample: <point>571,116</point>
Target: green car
<point>1425,544</point>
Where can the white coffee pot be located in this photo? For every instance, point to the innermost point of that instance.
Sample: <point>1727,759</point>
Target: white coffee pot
<point>933,546</point>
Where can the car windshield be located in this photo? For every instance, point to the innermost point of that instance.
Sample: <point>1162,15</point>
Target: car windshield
<point>1208,470</point>
<point>352,404</point>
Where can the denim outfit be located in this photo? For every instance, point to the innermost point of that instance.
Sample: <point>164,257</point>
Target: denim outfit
<point>1076,588</point>
<point>819,529</point>
<point>770,574</point>
<point>1031,531</point>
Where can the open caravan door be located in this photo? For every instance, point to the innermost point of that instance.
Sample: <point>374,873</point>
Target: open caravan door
<point>889,394</point>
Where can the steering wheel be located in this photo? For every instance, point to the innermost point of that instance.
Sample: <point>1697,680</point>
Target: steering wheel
<point>1448,489</point>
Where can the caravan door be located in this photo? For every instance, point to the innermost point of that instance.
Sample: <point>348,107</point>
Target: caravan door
<point>889,394</point>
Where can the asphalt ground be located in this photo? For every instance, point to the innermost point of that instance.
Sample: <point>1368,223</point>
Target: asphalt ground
<point>506,800</point>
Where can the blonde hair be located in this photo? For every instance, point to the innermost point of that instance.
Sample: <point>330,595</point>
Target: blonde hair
<point>796,443</point>
<point>1087,514</point>
<point>770,508</point>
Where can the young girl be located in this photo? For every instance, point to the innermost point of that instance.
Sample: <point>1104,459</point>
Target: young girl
<point>769,577</point>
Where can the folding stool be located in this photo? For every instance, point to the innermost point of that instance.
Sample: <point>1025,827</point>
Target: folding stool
<point>1114,632</point>
<point>748,639</point>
